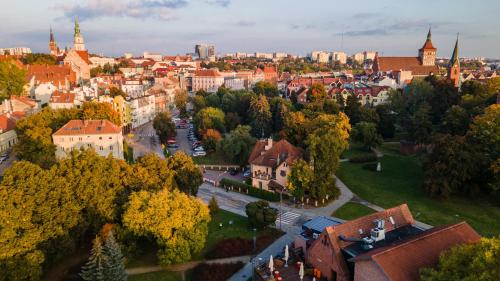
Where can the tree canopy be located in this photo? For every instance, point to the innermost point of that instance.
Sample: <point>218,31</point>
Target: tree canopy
<point>12,80</point>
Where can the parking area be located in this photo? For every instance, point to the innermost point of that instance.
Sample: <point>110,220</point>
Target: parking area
<point>218,175</point>
<point>6,160</point>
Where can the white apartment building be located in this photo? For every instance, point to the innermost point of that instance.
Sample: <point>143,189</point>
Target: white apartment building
<point>340,57</point>
<point>234,83</point>
<point>101,135</point>
<point>143,110</point>
<point>153,56</point>
<point>279,55</point>
<point>359,57</point>
<point>101,61</point>
<point>320,56</point>
<point>16,51</point>
<point>43,92</point>
<point>369,55</point>
<point>133,87</point>
<point>208,79</point>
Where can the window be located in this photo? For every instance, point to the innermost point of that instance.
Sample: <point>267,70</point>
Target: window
<point>101,148</point>
<point>70,139</point>
<point>110,147</point>
<point>89,145</point>
<point>260,184</point>
<point>80,139</point>
<point>62,139</point>
<point>110,138</point>
<point>283,173</point>
<point>100,138</point>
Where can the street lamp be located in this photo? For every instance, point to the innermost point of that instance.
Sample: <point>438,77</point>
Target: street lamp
<point>281,202</point>
<point>254,239</point>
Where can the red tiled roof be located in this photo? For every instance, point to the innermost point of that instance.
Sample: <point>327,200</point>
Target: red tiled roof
<point>404,259</point>
<point>57,74</point>
<point>24,100</point>
<point>58,97</point>
<point>428,45</point>
<point>88,127</point>
<point>14,59</point>
<point>207,73</point>
<point>84,55</point>
<point>6,123</point>
<point>282,149</point>
<point>412,64</point>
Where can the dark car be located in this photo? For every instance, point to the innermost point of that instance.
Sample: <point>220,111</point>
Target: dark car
<point>233,172</point>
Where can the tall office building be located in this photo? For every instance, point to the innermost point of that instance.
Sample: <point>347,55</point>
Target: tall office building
<point>201,51</point>
<point>211,51</point>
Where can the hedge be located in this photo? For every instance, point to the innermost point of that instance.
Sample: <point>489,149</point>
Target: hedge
<point>363,158</point>
<point>252,191</point>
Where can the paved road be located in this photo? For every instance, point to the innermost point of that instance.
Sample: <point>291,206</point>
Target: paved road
<point>8,162</point>
<point>145,140</point>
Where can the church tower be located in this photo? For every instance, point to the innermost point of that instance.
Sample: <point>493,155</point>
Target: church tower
<point>454,67</point>
<point>78,43</point>
<point>427,54</point>
<point>52,44</point>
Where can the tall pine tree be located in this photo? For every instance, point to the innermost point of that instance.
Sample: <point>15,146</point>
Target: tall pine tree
<point>93,270</point>
<point>114,267</point>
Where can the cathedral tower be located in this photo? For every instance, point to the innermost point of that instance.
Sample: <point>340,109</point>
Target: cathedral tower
<point>52,44</point>
<point>454,67</point>
<point>427,53</point>
<point>78,43</point>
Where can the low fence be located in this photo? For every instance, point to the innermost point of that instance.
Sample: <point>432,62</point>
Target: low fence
<point>218,167</point>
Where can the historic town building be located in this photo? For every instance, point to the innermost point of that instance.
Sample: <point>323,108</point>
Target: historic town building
<point>454,67</point>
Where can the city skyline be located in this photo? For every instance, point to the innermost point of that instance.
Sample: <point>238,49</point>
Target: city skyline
<point>174,27</point>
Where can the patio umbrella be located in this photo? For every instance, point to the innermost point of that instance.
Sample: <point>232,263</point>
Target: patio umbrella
<point>271,264</point>
<point>301,271</point>
<point>286,255</point>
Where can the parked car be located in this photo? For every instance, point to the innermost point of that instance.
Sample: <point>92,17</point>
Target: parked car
<point>233,172</point>
<point>199,148</point>
<point>199,153</point>
<point>173,146</point>
<point>247,173</point>
<point>171,141</point>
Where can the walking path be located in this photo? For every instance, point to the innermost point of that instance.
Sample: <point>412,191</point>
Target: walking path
<point>184,266</point>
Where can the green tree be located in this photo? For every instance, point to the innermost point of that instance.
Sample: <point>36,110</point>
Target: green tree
<point>316,92</point>
<point>260,214</point>
<point>164,126</point>
<point>300,179</point>
<point>339,98</point>
<point>114,268</point>
<point>385,126</point>
<point>178,222</point>
<point>421,125</point>
<point>266,88</point>
<point>260,114</point>
<point>180,100</point>
<point>115,91</point>
<point>279,109</point>
<point>366,133</point>
<point>199,103</point>
<point>187,175</point>
<point>353,109</point>
<point>94,269</point>
<point>99,110</point>
<point>151,173</point>
<point>232,119</point>
<point>39,59</point>
<point>12,80</point>
<point>478,261</point>
<point>209,118</point>
<point>455,121</point>
<point>296,128</point>
<point>213,206</point>
<point>210,139</point>
<point>238,144</point>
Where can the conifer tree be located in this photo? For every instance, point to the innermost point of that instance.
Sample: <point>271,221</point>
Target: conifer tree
<point>114,268</point>
<point>93,270</point>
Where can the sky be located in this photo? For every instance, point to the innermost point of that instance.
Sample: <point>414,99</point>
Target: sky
<point>391,27</point>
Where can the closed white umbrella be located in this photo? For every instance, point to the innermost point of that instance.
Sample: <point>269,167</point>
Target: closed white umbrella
<point>301,271</point>
<point>286,255</point>
<point>271,264</point>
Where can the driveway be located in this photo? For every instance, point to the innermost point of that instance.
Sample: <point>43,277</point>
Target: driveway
<point>8,162</point>
<point>144,140</point>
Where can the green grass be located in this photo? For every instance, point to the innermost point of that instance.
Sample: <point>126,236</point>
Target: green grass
<point>155,276</point>
<point>213,158</point>
<point>400,181</point>
<point>351,211</point>
<point>355,149</point>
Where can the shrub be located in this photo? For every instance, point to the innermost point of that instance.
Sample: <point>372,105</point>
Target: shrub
<point>215,272</point>
<point>231,247</point>
<point>252,191</point>
<point>260,214</point>
<point>213,206</point>
<point>363,158</point>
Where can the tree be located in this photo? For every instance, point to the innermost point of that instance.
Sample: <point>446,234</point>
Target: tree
<point>39,59</point>
<point>366,133</point>
<point>455,121</point>
<point>180,100</point>
<point>151,173</point>
<point>266,88</point>
<point>238,144</point>
<point>421,125</point>
<point>209,118</point>
<point>353,109</point>
<point>99,110</point>
<point>260,214</point>
<point>187,175</point>
<point>213,206</point>
<point>385,126</point>
<point>296,128</point>
<point>279,108</point>
<point>232,119</point>
<point>260,114</point>
<point>325,145</point>
<point>12,80</point>
<point>339,98</point>
<point>178,222</point>
<point>114,268</point>
<point>94,270</point>
<point>199,103</point>
<point>476,261</point>
<point>300,179</point>
<point>316,92</point>
<point>210,139</point>
<point>450,167</point>
<point>164,126</point>
<point>115,91</point>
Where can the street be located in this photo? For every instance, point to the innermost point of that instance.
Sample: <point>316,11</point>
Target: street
<point>144,140</point>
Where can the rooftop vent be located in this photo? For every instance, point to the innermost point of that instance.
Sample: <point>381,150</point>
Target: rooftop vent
<point>378,232</point>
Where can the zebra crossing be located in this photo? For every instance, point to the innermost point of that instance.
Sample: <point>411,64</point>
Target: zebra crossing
<point>287,218</point>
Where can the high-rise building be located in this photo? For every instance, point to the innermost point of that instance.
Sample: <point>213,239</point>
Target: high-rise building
<point>201,51</point>
<point>78,43</point>
<point>211,51</point>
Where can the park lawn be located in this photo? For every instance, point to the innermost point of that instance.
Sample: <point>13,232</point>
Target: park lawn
<point>155,276</point>
<point>400,181</point>
<point>213,158</point>
<point>355,149</point>
<point>352,210</point>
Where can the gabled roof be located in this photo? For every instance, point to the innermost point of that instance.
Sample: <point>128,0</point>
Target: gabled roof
<point>24,100</point>
<point>207,73</point>
<point>58,97</point>
<point>404,259</point>
<point>84,55</point>
<point>6,123</point>
<point>281,151</point>
<point>88,127</point>
<point>413,64</point>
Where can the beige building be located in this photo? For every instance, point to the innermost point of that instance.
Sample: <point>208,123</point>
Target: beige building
<point>60,100</point>
<point>8,136</point>
<point>270,163</point>
<point>101,135</point>
<point>79,63</point>
<point>209,80</point>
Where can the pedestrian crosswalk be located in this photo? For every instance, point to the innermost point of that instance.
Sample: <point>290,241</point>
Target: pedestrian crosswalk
<point>287,218</point>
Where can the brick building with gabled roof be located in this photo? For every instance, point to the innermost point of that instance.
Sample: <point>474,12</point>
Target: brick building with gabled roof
<point>386,245</point>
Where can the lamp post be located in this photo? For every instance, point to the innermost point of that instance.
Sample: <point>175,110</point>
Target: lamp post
<point>281,208</point>
<point>254,239</point>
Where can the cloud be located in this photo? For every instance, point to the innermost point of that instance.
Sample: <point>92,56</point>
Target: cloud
<point>395,26</point>
<point>302,26</point>
<point>366,32</point>
<point>158,9</point>
<point>244,23</point>
<point>221,3</point>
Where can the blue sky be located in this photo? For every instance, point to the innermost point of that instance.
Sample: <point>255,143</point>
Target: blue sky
<point>390,27</point>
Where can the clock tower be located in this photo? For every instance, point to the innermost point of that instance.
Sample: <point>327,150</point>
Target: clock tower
<point>78,43</point>
<point>427,54</point>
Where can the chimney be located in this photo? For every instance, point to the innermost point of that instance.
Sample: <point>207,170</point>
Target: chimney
<point>269,144</point>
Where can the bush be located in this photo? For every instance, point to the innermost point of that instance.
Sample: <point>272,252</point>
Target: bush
<point>252,191</point>
<point>231,247</point>
<point>215,272</point>
<point>213,206</point>
<point>363,158</point>
<point>260,214</point>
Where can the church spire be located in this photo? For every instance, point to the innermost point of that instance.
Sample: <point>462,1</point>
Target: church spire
<point>454,57</point>
<point>454,67</point>
<point>77,27</point>
<point>429,35</point>
<point>51,35</point>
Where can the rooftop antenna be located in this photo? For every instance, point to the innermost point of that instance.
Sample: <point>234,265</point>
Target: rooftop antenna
<point>342,41</point>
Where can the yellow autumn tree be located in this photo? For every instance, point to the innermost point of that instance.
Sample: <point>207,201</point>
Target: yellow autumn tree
<point>178,222</point>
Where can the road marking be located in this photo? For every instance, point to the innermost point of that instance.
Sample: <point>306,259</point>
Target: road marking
<point>287,218</point>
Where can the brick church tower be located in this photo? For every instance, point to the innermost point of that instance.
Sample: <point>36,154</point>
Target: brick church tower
<point>427,54</point>
<point>454,67</point>
<point>52,44</point>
